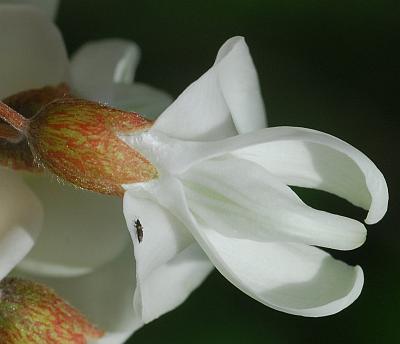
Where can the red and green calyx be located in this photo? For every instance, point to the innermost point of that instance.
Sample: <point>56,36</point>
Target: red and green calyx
<point>75,139</point>
<point>32,313</point>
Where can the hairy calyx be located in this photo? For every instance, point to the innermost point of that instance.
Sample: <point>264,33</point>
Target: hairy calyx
<point>77,139</point>
<point>30,312</point>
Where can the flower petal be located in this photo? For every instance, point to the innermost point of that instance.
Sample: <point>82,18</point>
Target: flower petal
<point>290,277</point>
<point>141,98</point>
<point>240,86</point>
<point>21,217</point>
<point>257,206</point>
<point>222,184</point>
<point>169,263</point>
<point>309,158</point>
<point>313,159</point>
<point>98,65</point>
<point>49,7</point>
<point>225,100</point>
<point>103,296</point>
<point>82,230</point>
<point>33,53</point>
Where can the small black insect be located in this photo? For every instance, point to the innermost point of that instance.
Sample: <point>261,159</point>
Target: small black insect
<point>139,230</point>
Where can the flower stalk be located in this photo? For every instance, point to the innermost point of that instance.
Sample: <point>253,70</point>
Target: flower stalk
<point>9,133</point>
<point>14,118</point>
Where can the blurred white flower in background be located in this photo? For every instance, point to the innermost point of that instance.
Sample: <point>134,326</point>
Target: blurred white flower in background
<point>49,7</point>
<point>81,247</point>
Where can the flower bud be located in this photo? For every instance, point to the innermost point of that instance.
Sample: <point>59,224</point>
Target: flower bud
<point>32,313</point>
<point>77,140</point>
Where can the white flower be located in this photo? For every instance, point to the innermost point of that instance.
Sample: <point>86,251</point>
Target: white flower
<point>221,195</point>
<point>223,190</point>
<point>83,250</point>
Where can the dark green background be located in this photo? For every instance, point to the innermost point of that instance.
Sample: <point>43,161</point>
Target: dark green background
<point>331,66</point>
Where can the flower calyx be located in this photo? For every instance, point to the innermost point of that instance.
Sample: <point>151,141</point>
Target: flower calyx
<point>32,313</point>
<point>78,141</point>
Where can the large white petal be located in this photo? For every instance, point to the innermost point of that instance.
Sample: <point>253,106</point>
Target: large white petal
<point>98,65</point>
<point>49,7</point>
<point>293,278</point>
<point>21,216</point>
<point>312,165</point>
<point>33,53</point>
<point>169,263</point>
<point>313,159</point>
<point>289,277</point>
<point>103,296</point>
<point>225,99</point>
<point>141,98</point>
<point>241,199</point>
<point>82,230</point>
<point>308,158</point>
